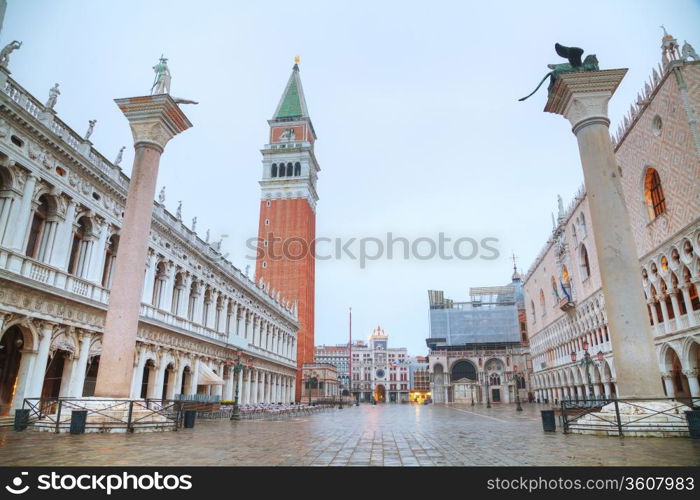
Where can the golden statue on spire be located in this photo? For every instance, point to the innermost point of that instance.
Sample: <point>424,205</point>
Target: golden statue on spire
<point>297,59</point>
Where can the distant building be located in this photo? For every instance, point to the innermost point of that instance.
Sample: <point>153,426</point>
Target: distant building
<point>418,379</point>
<point>379,372</point>
<point>319,382</point>
<point>338,356</point>
<point>477,347</point>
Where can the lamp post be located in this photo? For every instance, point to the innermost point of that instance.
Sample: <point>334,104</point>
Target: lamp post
<point>488,396</point>
<point>237,367</point>
<point>471,390</point>
<point>586,362</point>
<point>312,380</point>
<point>518,377</point>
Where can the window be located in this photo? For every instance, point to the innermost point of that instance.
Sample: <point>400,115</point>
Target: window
<point>542,303</point>
<point>290,170</point>
<point>532,310</point>
<point>79,250</point>
<point>110,257</point>
<point>654,194</point>
<point>274,170</point>
<point>585,264</point>
<point>584,230</point>
<point>297,169</point>
<point>36,230</point>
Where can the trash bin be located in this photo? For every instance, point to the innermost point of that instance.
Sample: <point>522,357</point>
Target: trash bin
<point>693,418</point>
<point>21,419</point>
<point>190,416</point>
<point>549,424</point>
<point>78,418</point>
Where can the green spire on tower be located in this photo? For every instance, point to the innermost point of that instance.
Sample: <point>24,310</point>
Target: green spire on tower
<point>293,104</point>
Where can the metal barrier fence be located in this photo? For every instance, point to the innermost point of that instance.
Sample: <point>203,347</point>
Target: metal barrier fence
<point>110,414</point>
<point>645,416</point>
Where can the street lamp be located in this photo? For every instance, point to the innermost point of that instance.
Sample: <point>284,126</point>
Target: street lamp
<point>488,396</point>
<point>586,362</point>
<point>237,366</point>
<point>311,381</point>
<point>518,378</point>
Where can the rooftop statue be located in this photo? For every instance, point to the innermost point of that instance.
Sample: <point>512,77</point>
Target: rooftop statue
<point>161,84</point>
<point>6,51</point>
<point>575,65</point>
<point>53,97</point>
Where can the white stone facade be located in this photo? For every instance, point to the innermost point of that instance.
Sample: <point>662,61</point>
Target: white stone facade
<point>657,144</point>
<point>61,206</point>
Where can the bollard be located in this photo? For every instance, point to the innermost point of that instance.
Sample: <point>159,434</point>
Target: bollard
<point>21,419</point>
<point>549,424</point>
<point>693,418</point>
<point>78,419</point>
<point>190,417</point>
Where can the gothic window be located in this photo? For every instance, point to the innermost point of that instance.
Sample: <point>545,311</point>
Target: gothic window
<point>281,170</point>
<point>585,264</point>
<point>77,265</point>
<point>542,302</point>
<point>110,258</point>
<point>274,170</point>
<point>494,379</point>
<point>290,171</point>
<point>297,169</point>
<point>654,194</point>
<point>532,310</point>
<point>584,229</point>
<point>36,230</point>
<point>573,234</point>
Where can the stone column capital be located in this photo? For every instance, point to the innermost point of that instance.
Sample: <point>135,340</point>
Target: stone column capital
<point>691,372</point>
<point>582,98</point>
<point>154,119</point>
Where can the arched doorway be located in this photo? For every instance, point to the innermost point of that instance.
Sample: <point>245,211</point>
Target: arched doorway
<point>380,393</point>
<point>186,380</point>
<point>91,376</point>
<point>149,371</point>
<point>58,374</point>
<point>10,358</point>
<point>168,380</point>
<point>675,382</point>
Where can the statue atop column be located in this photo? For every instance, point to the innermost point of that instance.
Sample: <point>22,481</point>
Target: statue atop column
<point>53,97</point>
<point>161,196</point>
<point>573,54</point>
<point>6,51</point>
<point>161,83</point>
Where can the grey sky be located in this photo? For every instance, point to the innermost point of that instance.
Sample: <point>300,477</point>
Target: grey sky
<point>414,103</point>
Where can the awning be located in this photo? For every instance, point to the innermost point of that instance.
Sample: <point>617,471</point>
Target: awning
<point>208,377</point>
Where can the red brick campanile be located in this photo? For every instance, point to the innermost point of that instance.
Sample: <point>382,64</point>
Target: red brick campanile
<point>287,228</point>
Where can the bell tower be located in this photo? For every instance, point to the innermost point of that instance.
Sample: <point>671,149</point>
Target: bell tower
<point>287,227</point>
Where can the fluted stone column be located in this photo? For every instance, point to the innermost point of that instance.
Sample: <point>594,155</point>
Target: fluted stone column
<point>582,98</point>
<point>154,120</point>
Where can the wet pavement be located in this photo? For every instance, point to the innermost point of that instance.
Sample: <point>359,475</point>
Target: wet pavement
<point>382,435</point>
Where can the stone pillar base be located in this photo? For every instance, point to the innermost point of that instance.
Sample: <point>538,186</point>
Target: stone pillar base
<point>638,419</point>
<point>105,415</point>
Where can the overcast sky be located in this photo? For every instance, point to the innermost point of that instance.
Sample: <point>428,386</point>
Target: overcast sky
<point>414,103</point>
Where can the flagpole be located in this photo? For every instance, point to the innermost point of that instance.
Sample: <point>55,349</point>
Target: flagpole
<point>350,353</point>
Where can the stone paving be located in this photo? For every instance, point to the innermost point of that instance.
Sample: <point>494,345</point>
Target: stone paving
<point>382,435</point>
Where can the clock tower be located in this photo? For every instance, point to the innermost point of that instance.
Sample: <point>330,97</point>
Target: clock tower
<point>287,228</point>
